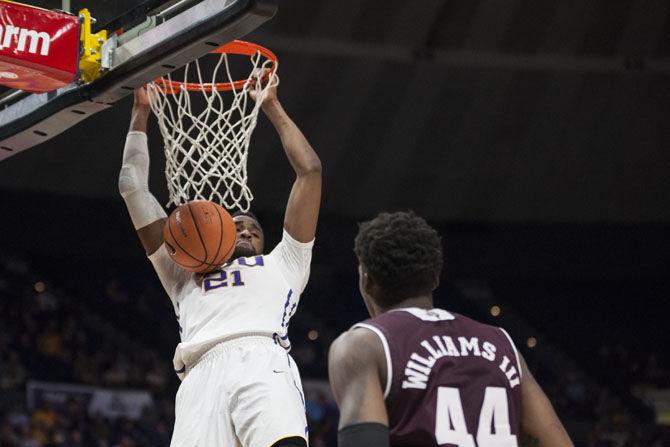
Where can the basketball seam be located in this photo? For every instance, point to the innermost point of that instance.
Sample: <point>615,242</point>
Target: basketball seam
<point>182,248</point>
<point>198,267</point>
<point>231,250</point>
<point>218,250</point>
<point>197,229</point>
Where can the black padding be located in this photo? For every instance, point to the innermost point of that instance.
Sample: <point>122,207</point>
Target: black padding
<point>368,434</point>
<point>295,441</point>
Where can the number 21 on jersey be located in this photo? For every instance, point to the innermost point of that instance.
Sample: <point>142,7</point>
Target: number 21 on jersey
<point>450,425</point>
<point>220,279</point>
<point>233,278</point>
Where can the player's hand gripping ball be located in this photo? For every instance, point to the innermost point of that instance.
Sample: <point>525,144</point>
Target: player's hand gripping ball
<point>200,236</point>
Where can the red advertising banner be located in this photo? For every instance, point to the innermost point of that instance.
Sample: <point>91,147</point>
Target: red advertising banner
<point>39,49</point>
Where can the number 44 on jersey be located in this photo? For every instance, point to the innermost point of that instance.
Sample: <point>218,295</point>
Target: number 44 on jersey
<point>494,429</point>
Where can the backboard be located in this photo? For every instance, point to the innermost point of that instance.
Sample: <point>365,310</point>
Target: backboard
<point>145,41</point>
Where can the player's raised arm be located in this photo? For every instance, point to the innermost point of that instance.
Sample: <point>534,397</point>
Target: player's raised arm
<point>302,210</point>
<point>147,214</point>
<point>538,418</point>
<point>356,371</point>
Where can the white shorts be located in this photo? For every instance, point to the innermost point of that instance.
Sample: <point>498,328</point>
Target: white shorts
<point>242,392</point>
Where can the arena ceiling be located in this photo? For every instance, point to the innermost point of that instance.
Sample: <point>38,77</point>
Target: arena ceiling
<point>470,110</point>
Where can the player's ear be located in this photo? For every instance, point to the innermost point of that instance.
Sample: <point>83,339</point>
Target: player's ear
<point>364,280</point>
<point>370,285</point>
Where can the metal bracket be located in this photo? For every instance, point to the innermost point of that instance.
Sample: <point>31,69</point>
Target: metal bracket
<point>137,31</point>
<point>107,50</point>
<point>91,47</point>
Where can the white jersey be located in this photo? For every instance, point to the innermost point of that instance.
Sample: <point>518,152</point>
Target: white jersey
<point>257,295</point>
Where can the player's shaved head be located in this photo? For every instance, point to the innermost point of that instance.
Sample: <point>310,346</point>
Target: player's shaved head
<point>401,253</point>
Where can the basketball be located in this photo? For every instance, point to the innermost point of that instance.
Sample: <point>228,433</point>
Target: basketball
<point>199,236</point>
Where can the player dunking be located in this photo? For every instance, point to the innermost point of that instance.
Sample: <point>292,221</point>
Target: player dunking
<point>413,375</point>
<point>239,385</point>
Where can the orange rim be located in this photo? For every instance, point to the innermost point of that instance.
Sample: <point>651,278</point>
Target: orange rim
<point>235,47</point>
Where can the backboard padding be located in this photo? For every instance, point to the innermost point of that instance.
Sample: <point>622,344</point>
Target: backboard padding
<point>37,118</point>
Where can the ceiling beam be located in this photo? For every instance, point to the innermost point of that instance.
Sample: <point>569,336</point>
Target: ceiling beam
<point>473,59</point>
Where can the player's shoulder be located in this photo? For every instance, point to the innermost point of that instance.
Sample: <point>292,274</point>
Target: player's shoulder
<point>468,321</point>
<point>408,319</point>
<point>355,347</point>
<point>483,330</point>
<point>288,242</point>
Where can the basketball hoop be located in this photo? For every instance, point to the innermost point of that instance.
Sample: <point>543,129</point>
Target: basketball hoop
<point>207,125</point>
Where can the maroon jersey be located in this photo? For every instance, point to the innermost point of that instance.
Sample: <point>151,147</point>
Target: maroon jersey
<point>451,381</point>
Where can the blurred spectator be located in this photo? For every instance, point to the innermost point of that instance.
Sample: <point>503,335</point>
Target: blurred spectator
<point>44,422</point>
<point>49,342</point>
<point>46,302</point>
<point>12,372</point>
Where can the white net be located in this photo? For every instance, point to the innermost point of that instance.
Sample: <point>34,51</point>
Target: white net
<point>206,132</point>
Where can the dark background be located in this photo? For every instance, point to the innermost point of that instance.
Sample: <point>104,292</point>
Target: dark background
<point>533,134</point>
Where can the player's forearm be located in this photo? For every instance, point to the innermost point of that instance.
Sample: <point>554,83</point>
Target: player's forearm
<point>139,118</point>
<point>299,152</point>
<point>145,212</point>
<point>539,421</point>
